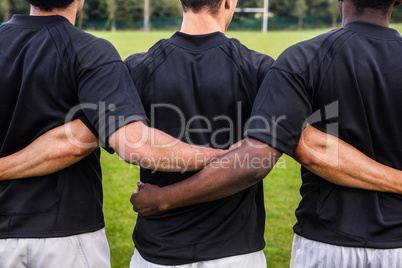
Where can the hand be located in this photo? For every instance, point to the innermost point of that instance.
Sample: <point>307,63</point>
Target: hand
<point>145,200</point>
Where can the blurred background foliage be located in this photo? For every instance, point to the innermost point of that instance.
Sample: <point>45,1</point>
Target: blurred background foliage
<point>166,14</point>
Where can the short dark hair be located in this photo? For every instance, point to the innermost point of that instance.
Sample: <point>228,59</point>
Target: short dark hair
<point>382,5</point>
<point>49,5</point>
<point>196,6</point>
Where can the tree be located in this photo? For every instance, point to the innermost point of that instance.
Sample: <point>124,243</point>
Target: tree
<point>300,12</point>
<point>165,8</point>
<point>318,7</point>
<point>282,7</point>
<point>112,8</point>
<point>333,10</point>
<point>129,11</point>
<point>397,15</point>
<point>9,7</point>
<point>5,8</point>
<point>250,3</point>
<point>19,7</point>
<point>96,10</point>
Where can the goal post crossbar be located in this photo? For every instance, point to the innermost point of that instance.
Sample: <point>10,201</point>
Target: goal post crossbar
<point>250,9</point>
<point>263,10</point>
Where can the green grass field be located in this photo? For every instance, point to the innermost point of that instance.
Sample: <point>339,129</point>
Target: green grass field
<point>281,186</point>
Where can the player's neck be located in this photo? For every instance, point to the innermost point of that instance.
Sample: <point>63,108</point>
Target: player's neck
<point>69,13</point>
<point>368,15</point>
<point>202,23</point>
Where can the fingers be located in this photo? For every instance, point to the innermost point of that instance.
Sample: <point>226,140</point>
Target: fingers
<point>132,200</point>
<point>144,200</point>
<point>140,185</point>
<point>134,195</point>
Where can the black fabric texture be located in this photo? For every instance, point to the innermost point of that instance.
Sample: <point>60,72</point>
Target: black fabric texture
<point>209,79</point>
<point>346,83</point>
<point>48,67</point>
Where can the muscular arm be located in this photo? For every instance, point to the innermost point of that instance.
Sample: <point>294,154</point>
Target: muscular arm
<point>135,143</point>
<point>153,149</point>
<point>325,155</point>
<point>49,153</point>
<point>342,164</point>
<point>233,172</point>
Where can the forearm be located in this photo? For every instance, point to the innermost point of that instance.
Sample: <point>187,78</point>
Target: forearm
<point>49,153</point>
<point>228,175</point>
<point>153,149</point>
<point>219,179</point>
<point>342,164</point>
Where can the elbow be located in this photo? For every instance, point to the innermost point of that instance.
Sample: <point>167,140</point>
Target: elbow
<point>261,173</point>
<point>79,152</point>
<point>304,160</point>
<point>259,158</point>
<point>131,157</point>
<point>128,154</point>
<point>126,157</point>
<point>253,176</point>
<point>258,173</point>
<point>81,148</point>
<point>304,157</point>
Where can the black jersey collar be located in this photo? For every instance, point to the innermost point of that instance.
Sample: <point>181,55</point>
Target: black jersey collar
<point>373,30</point>
<point>34,21</point>
<point>198,42</point>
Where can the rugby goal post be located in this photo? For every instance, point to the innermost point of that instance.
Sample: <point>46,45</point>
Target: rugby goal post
<point>263,10</point>
<point>146,15</point>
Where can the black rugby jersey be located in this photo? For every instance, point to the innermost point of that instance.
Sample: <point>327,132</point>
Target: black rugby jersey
<point>347,82</point>
<point>200,89</point>
<point>47,67</point>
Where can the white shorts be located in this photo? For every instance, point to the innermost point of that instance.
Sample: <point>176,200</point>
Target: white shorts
<point>84,250</point>
<point>308,253</point>
<point>252,260</point>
